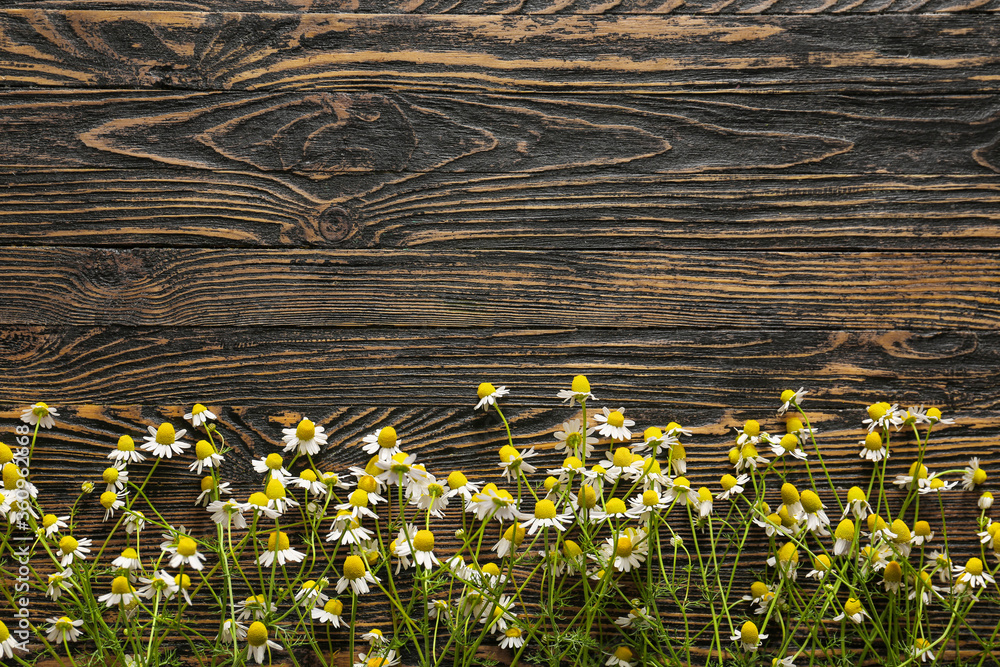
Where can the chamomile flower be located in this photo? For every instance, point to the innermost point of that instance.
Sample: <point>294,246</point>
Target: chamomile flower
<point>51,524</point>
<point>209,487</point>
<point>256,607</point>
<point>330,612</point>
<point>128,560</point>
<point>791,399</point>
<point>112,502</point>
<point>628,552</point>
<point>59,582</point>
<point>892,577</point>
<point>199,415</point>
<point>621,657</point>
<point>915,477</point>
<point>921,649</point>
<point>259,504</point>
<point>347,529</point>
<point>812,510</point>
<point>614,508</point>
<point>679,488</point>
<point>788,444</point>
<point>511,538</point>
<point>423,549</point>
<point>497,617</point>
<point>871,559</point>
<point>761,595</point>
<point>272,465</point>
<point>579,391</point>
<point>125,452</point>
<point>787,561</point>
<point>205,457</point>
<point>747,458</point>
<point>613,424</point>
<point>924,586</point>
<point>990,536</point>
<point>40,414</point>
<point>513,638</point>
<point>356,575</point>
<point>622,464</point>
<point>571,440</point>
<point>232,631</point>
<point>546,516</point>
<point>278,498</point>
<point>493,501</point>
<point>279,548</point>
<point>305,439</point>
<point>187,554</point>
<point>312,592</point>
<point>937,485</point>
<point>748,637</point>
<point>643,505</point>
<point>227,512</point>
<point>821,566</point>
<point>258,644</point>
<point>973,574</point>
<point>164,442</point>
<point>731,486</point>
<point>853,611</point>
<point>122,593</point>
<point>637,617</point>
<point>985,501</point>
<point>384,442</point>
<point>390,659</point>
<point>857,503</point>
<point>64,629</point>
<point>973,475</point>
<point>844,537</point>
<point>434,499</point>
<point>71,549</point>
<point>882,415</point>
<point>872,448</point>
<point>488,395</point>
<point>7,643</point>
<point>512,460</point>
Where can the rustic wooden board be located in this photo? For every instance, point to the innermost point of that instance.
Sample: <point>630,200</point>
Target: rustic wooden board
<point>534,6</point>
<point>432,53</point>
<point>293,289</point>
<point>442,367</point>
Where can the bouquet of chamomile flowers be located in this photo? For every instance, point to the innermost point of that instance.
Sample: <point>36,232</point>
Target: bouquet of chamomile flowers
<point>599,547</point>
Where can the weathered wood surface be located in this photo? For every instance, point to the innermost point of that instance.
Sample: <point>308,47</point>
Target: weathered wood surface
<point>425,366</point>
<point>956,53</point>
<point>535,6</point>
<point>294,289</point>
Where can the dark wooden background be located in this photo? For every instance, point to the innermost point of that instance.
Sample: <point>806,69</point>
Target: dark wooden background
<point>358,210</point>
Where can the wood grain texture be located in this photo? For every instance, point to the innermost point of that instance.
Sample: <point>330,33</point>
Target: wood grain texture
<point>315,289</point>
<point>445,439</point>
<point>602,211</point>
<point>433,367</point>
<point>593,7</point>
<point>615,54</point>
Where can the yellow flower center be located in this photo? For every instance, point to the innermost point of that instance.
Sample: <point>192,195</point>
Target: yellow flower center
<point>622,457</point>
<point>207,483</point>
<point>902,531</point>
<point>203,449</point>
<point>974,566</point>
<point>275,489</point>
<point>457,480</point>
<point>748,451</point>
<point>704,494</point>
<point>257,634</point>
<point>258,499</point>
<point>308,475</point>
<point>571,549</point>
<point>623,653</point>
<point>877,410</point>
<point>788,553</point>
<point>580,385</point>
<point>852,606</point>
<point>615,506</point>
<point>165,435</point>
<point>855,494</point>
<point>49,520</point>
<point>616,419</point>
<point>794,425</point>
<point>11,476</point>
<point>198,409</point>
<point>787,395</point>
<point>682,484</point>
<point>893,572</point>
<point>979,476</point>
<point>758,589</point>
<point>752,428</point>
<point>4,633</point>
<point>624,546</point>
<point>40,409</point>
<point>811,502</point>
<point>387,437</point>
<point>918,471</point>
<point>652,433</point>
<point>845,530</point>
<point>274,461</point>
<point>789,494</point>
<point>937,483</point>
<point>277,541</point>
<point>822,563</point>
<point>507,453</point>
<point>108,499</point>
<point>306,430</point>
<point>873,441</point>
<point>121,586</point>
<point>186,547</point>
<point>485,389</point>
<point>934,413</point>
<point>68,545</point>
<point>587,497</point>
<point>359,498</point>
<point>921,644</point>
<point>512,632</point>
<point>727,482</point>
<point>126,444</point>
<point>650,498</point>
<point>424,540</point>
<point>749,634</point>
<point>515,534</point>
<point>110,475</point>
<point>545,509</point>
<point>491,569</point>
<point>354,567</point>
<point>334,606</point>
<point>130,553</point>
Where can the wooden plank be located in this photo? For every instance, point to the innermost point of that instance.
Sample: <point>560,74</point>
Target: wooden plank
<point>608,210</point>
<point>533,7</point>
<point>433,367</point>
<point>651,54</point>
<point>337,144</point>
<point>290,289</point>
